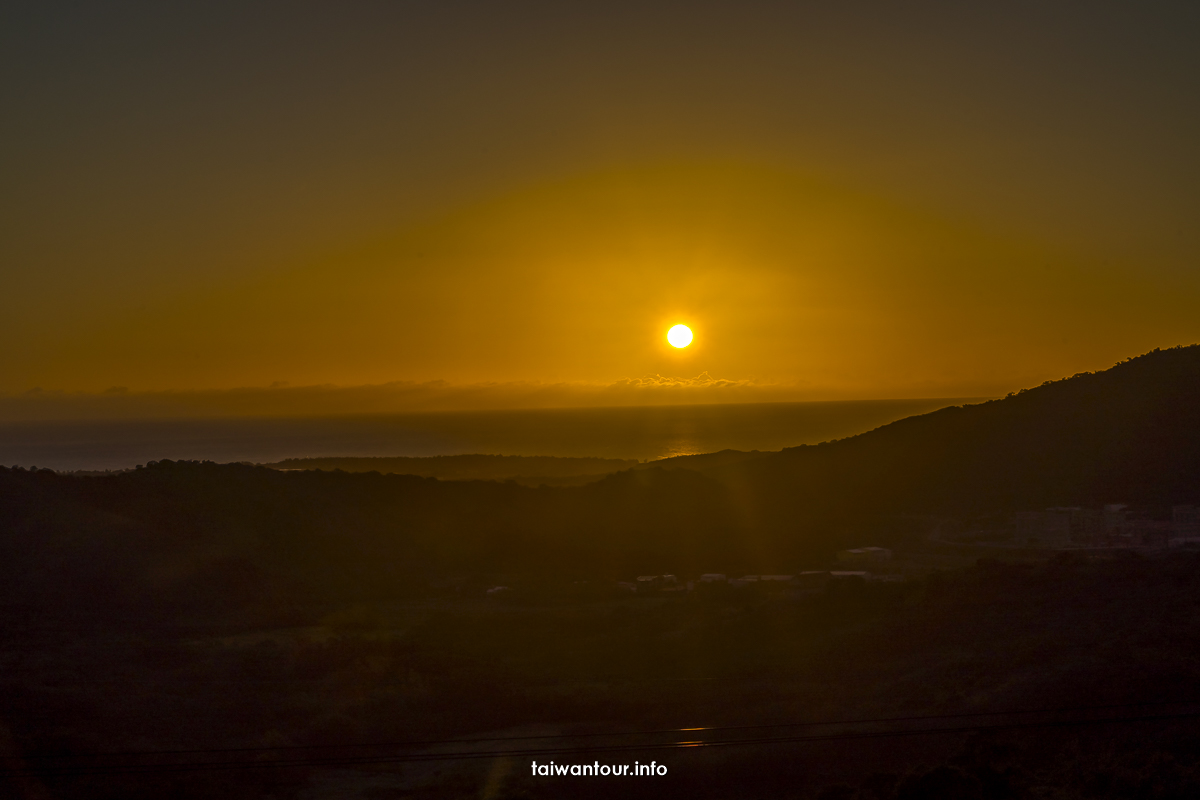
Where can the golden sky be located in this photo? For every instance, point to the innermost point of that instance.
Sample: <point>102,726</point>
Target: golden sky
<point>852,203</point>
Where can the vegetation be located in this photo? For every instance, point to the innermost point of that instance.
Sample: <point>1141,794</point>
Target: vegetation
<point>196,606</point>
<point>469,467</point>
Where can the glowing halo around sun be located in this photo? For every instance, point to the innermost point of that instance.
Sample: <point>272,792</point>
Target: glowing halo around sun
<point>680,336</point>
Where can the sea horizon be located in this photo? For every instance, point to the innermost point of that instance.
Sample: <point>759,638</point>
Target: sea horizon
<point>644,433</point>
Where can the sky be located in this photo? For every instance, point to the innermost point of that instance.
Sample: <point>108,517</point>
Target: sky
<point>844,201</point>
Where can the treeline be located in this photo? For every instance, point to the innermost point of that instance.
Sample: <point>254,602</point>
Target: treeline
<point>466,467</point>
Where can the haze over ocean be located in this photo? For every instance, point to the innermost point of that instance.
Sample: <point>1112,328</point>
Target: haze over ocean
<point>641,432</point>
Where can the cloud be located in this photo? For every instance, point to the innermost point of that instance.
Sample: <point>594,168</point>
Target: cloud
<point>702,380</point>
<point>396,397</point>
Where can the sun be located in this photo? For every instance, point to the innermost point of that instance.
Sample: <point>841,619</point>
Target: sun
<point>680,336</point>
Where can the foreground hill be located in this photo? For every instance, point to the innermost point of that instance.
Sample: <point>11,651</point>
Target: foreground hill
<point>297,711</point>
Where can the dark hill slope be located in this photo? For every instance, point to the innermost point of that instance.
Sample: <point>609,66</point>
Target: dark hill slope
<point>1128,434</point>
<point>194,535</point>
<point>465,467</point>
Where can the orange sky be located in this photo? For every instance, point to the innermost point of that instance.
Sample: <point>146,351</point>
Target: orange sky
<point>841,204</point>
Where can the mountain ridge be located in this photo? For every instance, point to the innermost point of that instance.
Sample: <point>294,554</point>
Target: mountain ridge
<point>1127,434</point>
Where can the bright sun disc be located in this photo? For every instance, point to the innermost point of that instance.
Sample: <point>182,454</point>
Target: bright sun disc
<point>680,336</point>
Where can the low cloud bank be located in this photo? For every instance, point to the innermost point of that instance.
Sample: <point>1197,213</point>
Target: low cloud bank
<point>397,397</point>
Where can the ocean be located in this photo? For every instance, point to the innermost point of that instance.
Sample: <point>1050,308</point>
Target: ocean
<point>644,433</point>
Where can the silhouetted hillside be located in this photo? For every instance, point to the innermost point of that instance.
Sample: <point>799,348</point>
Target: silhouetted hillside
<point>1128,434</point>
<point>705,461</point>
<point>527,470</point>
<point>466,467</point>
<point>203,537</point>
